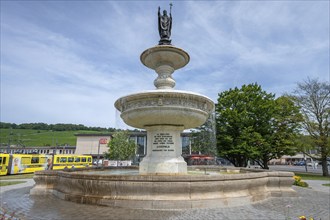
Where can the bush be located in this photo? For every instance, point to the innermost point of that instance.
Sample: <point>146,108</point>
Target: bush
<point>298,182</point>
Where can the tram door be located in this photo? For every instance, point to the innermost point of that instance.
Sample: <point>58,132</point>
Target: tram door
<point>4,158</point>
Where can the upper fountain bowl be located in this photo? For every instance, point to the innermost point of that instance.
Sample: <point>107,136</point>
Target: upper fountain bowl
<point>164,55</point>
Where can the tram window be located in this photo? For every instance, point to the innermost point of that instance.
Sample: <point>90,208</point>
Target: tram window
<point>77,159</point>
<point>89,159</point>
<point>1,160</point>
<point>35,160</point>
<point>70,159</point>
<point>83,159</point>
<point>57,160</point>
<point>63,160</point>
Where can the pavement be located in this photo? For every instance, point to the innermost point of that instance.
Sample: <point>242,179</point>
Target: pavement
<point>28,183</point>
<point>310,202</point>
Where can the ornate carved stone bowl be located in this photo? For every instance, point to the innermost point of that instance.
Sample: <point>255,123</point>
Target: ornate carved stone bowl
<point>164,107</point>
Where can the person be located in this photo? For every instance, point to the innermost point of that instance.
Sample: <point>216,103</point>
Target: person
<point>49,164</point>
<point>164,27</point>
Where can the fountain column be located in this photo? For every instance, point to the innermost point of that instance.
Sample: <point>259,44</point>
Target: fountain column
<point>164,145</point>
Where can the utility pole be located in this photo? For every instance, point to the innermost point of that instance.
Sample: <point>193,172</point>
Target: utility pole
<point>9,140</point>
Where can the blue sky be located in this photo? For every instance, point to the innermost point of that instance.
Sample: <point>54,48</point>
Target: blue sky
<point>69,61</point>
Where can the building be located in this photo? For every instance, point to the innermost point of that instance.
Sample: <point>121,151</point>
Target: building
<point>92,144</point>
<point>96,144</point>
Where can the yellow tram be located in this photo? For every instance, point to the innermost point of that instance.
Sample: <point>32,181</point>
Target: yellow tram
<point>29,163</point>
<point>4,160</point>
<point>22,163</point>
<point>59,162</point>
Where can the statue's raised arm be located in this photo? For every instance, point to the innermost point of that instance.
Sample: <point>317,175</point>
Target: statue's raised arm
<point>164,27</point>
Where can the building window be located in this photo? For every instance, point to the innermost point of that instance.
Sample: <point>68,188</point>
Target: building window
<point>185,145</point>
<point>140,145</point>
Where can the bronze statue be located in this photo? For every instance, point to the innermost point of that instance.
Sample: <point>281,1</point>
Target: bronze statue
<point>164,27</point>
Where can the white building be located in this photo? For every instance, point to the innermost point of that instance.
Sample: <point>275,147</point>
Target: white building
<point>92,144</point>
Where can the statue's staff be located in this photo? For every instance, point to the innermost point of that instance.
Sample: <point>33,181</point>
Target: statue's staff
<point>171,7</point>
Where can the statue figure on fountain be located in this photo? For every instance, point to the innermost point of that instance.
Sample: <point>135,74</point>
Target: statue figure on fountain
<point>164,27</point>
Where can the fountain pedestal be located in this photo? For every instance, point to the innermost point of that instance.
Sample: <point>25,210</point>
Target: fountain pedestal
<point>164,149</point>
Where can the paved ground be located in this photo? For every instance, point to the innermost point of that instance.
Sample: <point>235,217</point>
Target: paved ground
<point>311,202</point>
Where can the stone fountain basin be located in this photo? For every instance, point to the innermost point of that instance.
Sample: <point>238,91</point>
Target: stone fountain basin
<point>165,107</point>
<point>165,191</point>
<point>165,55</point>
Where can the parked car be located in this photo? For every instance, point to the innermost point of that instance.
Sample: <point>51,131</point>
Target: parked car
<point>301,163</point>
<point>328,163</point>
<point>296,163</point>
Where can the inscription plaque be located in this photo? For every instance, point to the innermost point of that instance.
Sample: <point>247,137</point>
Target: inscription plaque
<point>163,142</point>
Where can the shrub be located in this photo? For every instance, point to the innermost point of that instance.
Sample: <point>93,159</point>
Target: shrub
<point>298,182</point>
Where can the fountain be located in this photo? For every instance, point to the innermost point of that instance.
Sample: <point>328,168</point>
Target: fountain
<point>165,112</point>
<point>163,181</point>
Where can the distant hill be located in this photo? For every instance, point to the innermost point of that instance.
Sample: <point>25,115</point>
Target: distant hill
<point>42,134</point>
<point>35,138</point>
<point>53,127</point>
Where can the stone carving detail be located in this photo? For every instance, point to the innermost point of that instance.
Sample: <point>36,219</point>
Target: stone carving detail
<point>166,101</point>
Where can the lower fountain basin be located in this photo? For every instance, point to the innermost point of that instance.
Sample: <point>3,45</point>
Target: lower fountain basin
<point>165,107</point>
<point>165,191</point>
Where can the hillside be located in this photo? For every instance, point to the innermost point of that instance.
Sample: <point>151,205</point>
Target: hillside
<point>33,138</point>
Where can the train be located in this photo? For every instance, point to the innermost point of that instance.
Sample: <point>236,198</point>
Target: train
<point>29,163</point>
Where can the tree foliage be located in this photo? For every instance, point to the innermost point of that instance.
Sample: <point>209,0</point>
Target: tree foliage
<point>121,147</point>
<point>53,127</point>
<point>313,98</point>
<point>253,125</point>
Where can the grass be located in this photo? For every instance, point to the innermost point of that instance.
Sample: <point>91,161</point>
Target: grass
<point>30,137</point>
<point>8,183</point>
<point>308,176</point>
<point>327,184</point>
<point>20,176</point>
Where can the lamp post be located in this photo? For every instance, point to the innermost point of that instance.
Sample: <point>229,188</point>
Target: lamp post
<point>9,140</point>
<point>98,154</point>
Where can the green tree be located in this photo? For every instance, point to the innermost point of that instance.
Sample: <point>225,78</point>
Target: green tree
<point>253,125</point>
<point>313,98</point>
<point>121,147</point>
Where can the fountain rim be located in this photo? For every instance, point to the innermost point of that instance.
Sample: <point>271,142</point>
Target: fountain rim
<point>162,93</point>
<point>164,48</point>
<point>248,174</point>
